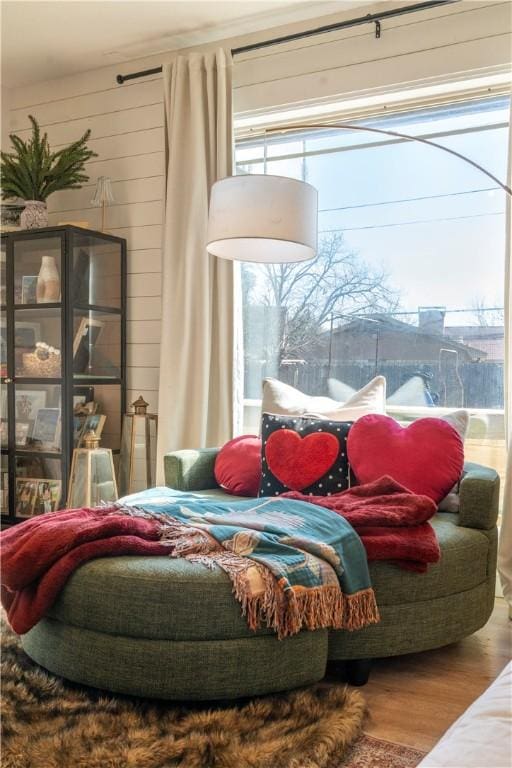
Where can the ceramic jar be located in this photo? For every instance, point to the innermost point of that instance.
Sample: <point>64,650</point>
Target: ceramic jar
<point>48,281</point>
<point>34,215</point>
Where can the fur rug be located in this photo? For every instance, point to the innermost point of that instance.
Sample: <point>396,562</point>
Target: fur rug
<point>49,723</point>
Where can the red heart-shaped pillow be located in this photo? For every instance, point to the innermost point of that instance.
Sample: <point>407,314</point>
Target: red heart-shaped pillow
<point>297,461</point>
<point>427,457</point>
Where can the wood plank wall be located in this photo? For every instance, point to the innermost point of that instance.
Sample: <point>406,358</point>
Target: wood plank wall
<point>127,124</point>
<point>127,134</point>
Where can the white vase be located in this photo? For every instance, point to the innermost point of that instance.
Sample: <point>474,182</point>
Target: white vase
<point>48,281</point>
<point>34,215</point>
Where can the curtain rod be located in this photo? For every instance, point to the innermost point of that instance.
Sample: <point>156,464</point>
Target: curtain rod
<point>370,18</point>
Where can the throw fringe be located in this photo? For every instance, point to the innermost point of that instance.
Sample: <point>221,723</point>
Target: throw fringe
<point>360,609</point>
<point>289,611</point>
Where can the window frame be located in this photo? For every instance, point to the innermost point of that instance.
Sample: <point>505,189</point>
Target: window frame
<point>373,105</point>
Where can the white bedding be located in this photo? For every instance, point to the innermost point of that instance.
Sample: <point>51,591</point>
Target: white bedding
<point>482,736</point>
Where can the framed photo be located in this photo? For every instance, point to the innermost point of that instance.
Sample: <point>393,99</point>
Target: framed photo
<point>28,289</point>
<point>26,491</point>
<point>46,431</point>
<point>82,395</point>
<point>34,496</point>
<point>85,338</point>
<point>85,409</point>
<point>28,402</point>
<point>25,337</point>
<point>96,421</point>
<point>22,432</point>
<point>47,496</point>
<point>82,408</point>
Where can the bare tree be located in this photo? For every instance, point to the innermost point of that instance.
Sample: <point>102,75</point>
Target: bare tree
<point>337,281</point>
<point>486,316</point>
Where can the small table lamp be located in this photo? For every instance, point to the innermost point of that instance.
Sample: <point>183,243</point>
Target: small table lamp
<point>92,479</point>
<point>103,196</point>
<point>138,449</point>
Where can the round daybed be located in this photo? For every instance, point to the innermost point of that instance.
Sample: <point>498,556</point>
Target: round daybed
<point>166,628</point>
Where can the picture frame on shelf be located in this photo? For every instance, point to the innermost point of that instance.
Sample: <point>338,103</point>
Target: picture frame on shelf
<point>96,422</point>
<point>85,409</point>
<point>46,430</point>
<point>26,490</point>
<point>27,403</point>
<point>28,289</point>
<point>86,336</point>
<point>22,433</point>
<point>35,496</point>
<point>26,336</point>
<point>47,496</point>
<point>82,409</point>
<point>82,396</point>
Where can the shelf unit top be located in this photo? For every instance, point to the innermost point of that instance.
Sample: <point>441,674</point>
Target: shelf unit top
<point>62,228</point>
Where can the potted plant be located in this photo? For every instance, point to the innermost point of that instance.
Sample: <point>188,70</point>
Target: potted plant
<point>32,172</point>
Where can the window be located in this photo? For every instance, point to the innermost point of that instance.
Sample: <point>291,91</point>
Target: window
<point>409,278</point>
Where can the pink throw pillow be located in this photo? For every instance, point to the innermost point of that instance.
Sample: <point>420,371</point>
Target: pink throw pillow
<point>238,466</point>
<point>427,457</point>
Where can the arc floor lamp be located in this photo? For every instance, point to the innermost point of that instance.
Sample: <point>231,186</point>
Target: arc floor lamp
<point>273,219</point>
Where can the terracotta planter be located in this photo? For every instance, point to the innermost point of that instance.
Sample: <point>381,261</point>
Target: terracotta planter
<point>34,215</point>
<point>48,281</point>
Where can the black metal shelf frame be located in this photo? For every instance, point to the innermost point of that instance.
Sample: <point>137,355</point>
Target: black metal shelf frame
<point>68,235</point>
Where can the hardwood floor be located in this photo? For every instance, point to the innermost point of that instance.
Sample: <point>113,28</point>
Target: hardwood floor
<point>413,699</point>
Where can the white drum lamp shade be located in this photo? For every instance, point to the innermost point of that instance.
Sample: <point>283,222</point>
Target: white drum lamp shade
<point>269,219</point>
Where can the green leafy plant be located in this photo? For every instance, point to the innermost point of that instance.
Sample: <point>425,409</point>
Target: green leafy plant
<point>33,172</point>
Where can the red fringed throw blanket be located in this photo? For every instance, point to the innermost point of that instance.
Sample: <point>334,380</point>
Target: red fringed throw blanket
<point>391,521</point>
<point>40,554</point>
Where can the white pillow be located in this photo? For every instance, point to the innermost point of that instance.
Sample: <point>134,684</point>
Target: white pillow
<point>459,420</point>
<point>285,400</point>
<point>339,390</point>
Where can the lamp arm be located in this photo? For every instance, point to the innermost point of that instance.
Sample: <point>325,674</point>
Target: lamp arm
<point>395,134</point>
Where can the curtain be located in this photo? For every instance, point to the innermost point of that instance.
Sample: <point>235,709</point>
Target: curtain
<point>197,368</point>
<point>505,542</point>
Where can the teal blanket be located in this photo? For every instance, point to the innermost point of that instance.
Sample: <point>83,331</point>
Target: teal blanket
<point>292,564</point>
